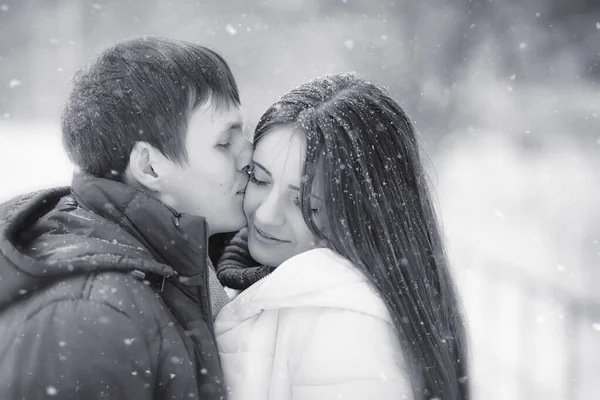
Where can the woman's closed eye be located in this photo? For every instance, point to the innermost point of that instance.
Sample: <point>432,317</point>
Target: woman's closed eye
<point>252,179</point>
<point>315,211</point>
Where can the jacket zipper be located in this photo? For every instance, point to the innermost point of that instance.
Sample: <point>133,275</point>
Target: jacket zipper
<point>245,292</point>
<point>274,353</point>
<point>206,285</point>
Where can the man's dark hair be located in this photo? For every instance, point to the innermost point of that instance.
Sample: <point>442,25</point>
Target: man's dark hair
<point>141,89</point>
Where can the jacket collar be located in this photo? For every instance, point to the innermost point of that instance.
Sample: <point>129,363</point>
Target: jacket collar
<point>176,239</point>
<point>316,278</point>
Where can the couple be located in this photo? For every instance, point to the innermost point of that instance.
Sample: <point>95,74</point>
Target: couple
<point>107,289</point>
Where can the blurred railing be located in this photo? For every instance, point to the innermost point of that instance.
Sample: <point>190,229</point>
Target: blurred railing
<point>531,339</point>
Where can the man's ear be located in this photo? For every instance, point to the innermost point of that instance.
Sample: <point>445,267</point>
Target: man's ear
<point>142,162</point>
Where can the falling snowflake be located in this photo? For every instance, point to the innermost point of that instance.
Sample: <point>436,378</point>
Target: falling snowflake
<point>51,391</point>
<point>596,326</point>
<point>128,342</point>
<point>62,343</point>
<point>230,29</point>
<point>14,83</point>
<point>349,44</point>
<point>522,45</point>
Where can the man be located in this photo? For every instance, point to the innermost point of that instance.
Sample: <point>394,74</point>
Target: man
<point>105,287</point>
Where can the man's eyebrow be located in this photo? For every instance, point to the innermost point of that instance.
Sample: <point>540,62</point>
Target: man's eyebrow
<point>263,168</point>
<point>234,125</point>
<point>231,126</point>
<point>294,187</point>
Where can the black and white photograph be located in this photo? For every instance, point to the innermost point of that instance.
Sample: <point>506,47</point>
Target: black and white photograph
<point>300,199</point>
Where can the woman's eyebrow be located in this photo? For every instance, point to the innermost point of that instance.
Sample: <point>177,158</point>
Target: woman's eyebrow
<point>263,168</point>
<point>294,187</point>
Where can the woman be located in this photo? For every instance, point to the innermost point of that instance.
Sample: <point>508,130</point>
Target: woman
<point>360,303</point>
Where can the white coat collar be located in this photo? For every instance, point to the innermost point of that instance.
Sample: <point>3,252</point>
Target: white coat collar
<point>316,278</point>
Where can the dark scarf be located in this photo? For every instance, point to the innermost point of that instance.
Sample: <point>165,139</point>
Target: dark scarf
<point>237,269</point>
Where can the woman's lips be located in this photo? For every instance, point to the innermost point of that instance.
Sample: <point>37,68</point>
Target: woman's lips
<point>266,237</point>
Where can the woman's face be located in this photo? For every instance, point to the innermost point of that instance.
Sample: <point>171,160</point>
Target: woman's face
<point>276,228</point>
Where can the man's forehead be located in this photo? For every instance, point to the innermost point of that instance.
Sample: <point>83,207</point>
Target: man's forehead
<point>229,116</point>
<point>222,113</point>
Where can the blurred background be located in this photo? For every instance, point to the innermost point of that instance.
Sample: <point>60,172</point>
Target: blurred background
<point>505,96</point>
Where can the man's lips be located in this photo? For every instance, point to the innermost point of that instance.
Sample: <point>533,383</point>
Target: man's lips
<point>242,189</point>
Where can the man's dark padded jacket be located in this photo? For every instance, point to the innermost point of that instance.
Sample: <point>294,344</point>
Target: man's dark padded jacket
<point>104,295</point>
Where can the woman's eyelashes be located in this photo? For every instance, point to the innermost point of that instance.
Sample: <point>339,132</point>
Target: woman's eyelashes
<point>252,179</point>
<point>297,203</point>
<point>255,181</point>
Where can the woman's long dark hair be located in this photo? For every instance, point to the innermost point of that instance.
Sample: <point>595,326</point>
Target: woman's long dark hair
<point>380,216</point>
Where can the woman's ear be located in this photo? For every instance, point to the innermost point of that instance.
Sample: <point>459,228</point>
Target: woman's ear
<point>143,160</point>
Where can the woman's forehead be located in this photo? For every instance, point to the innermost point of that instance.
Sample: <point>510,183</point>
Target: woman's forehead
<point>279,149</point>
<point>281,154</point>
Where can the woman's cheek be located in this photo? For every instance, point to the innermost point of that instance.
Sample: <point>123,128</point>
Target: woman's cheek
<point>249,200</point>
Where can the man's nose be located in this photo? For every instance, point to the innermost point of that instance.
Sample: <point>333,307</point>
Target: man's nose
<point>244,158</point>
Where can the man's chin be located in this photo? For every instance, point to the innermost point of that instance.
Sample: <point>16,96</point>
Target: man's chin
<point>236,222</point>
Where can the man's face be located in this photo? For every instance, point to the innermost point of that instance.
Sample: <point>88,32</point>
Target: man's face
<point>213,182</point>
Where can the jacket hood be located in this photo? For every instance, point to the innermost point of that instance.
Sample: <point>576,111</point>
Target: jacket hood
<point>316,278</point>
<point>96,225</point>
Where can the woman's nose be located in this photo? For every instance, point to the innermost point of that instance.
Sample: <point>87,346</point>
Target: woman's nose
<point>269,212</point>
